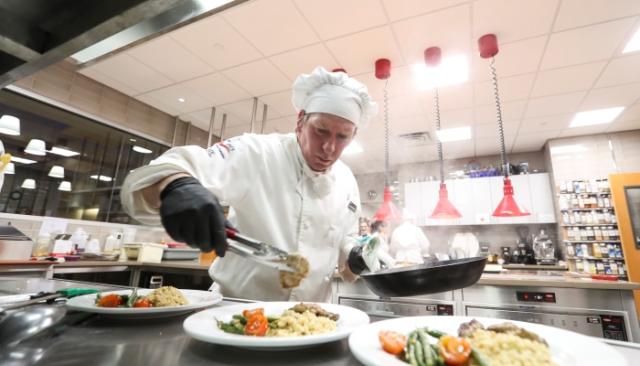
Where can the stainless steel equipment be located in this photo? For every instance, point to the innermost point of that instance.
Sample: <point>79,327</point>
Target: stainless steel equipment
<point>606,314</point>
<point>544,249</point>
<point>14,245</point>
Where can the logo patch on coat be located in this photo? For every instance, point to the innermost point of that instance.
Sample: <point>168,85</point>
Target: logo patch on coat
<point>352,207</point>
<point>222,148</point>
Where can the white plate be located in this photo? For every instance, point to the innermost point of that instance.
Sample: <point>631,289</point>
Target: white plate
<point>196,300</point>
<point>567,348</point>
<point>203,326</point>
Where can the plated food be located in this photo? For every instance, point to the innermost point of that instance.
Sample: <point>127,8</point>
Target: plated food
<point>497,345</point>
<point>163,296</point>
<point>294,330</point>
<point>300,320</point>
<point>486,341</point>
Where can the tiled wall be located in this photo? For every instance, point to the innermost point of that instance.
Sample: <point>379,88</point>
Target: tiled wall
<point>597,156</point>
<point>406,172</point>
<point>78,93</point>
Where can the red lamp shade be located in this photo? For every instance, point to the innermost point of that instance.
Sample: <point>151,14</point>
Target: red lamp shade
<point>508,207</point>
<point>387,211</point>
<point>444,208</point>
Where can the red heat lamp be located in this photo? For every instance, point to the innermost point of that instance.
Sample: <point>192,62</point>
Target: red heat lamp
<point>444,208</point>
<point>508,207</point>
<point>387,211</point>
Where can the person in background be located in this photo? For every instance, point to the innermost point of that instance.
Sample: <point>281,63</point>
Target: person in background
<point>288,190</point>
<point>408,244</point>
<point>365,227</point>
<point>376,249</point>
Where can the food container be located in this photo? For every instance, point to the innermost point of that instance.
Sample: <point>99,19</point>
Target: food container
<point>174,254</point>
<point>144,252</point>
<point>14,245</point>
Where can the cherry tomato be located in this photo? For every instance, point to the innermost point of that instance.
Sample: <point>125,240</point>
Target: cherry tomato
<point>392,342</point>
<point>142,303</point>
<point>454,350</point>
<point>248,313</point>
<point>257,325</point>
<point>110,301</point>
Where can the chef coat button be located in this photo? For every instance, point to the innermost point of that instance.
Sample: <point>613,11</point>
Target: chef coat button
<point>305,225</point>
<point>327,278</point>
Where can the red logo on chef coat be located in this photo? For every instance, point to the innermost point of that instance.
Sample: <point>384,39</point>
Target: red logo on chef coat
<point>222,148</point>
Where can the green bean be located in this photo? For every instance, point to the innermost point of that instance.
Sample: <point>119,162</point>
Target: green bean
<point>429,359</point>
<point>435,333</point>
<point>479,357</point>
<point>436,352</point>
<point>411,350</point>
<point>420,353</point>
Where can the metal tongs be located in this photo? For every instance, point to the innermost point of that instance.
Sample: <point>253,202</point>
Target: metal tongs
<point>257,251</point>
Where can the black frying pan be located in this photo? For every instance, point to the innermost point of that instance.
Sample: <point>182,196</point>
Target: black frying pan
<point>426,278</point>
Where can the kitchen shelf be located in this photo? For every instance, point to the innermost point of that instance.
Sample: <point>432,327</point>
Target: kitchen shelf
<point>592,241</point>
<point>588,193</point>
<point>585,225</point>
<point>587,209</point>
<point>597,258</point>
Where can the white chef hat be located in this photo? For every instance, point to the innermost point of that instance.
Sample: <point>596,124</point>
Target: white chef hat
<point>334,93</point>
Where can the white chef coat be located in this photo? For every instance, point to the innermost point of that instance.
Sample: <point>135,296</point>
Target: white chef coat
<point>270,189</point>
<point>409,244</point>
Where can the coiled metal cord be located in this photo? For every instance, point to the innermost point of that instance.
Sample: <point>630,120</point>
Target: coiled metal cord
<point>496,95</point>
<point>436,102</point>
<point>386,133</point>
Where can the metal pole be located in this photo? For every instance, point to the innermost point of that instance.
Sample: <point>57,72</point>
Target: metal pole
<point>187,135</point>
<point>264,118</point>
<point>224,125</point>
<point>211,122</point>
<point>253,113</point>
<point>175,131</point>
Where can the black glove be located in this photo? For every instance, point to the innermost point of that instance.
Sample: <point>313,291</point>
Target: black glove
<point>193,215</point>
<point>355,262</point>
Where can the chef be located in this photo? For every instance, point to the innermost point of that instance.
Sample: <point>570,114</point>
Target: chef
<point>408,243</point>
<point>289,190</point>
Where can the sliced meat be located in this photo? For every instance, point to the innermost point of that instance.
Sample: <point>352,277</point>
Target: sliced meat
<point>315,309</point>
<point>467,329</point>
<point>511,328</point>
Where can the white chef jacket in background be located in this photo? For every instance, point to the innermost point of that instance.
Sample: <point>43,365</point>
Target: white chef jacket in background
<point>409,244</point>
<point>273,196</point>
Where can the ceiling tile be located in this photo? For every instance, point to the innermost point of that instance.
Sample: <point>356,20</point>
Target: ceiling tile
<point>578,46</point>
<point>455,117</point>
<point>448,29</point>
<point>557,104</point>
<point>358,52</point>
<point>513,20</point>
<point>624,126</point>
<point>168,57</point>
<point>408,105</point>
<point>216,42</point>
<point>511,111</point>
<point>511,88</point>
<point>304,60</point>
<point>533,141</point>
<point>513,59</point>
<point>201,119</point>
<point>128,71</point>
<point>399,9</point>
<point>216,89</point>
<point>490,130</point>
<point>258,78</point>
<point>272,26</point>
<point>158,104</point>
<point>567,79</point>
<point>579,131</point>
<point>369,14</point>
<point>169,97</point>
<point>279,104</point>
<point>400,83</point>
<point>621,70</point>
<point>576,13</point>
<point>107,80</point>
<point>631,113</point>
<point>623,95</point>
<point>547,123</point>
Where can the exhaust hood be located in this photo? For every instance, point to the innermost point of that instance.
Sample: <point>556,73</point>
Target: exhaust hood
<point>35,34</point>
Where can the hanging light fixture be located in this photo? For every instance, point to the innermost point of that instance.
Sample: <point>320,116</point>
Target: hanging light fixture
<point>29,184</point>
<point>56,171</point>
<point>444,208</point>
<point>10,125</point>
<point>10,169</point>
<point>65,186</point>
<point>387,211</point>
<point>508,207</point>
<point>36,147</point>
